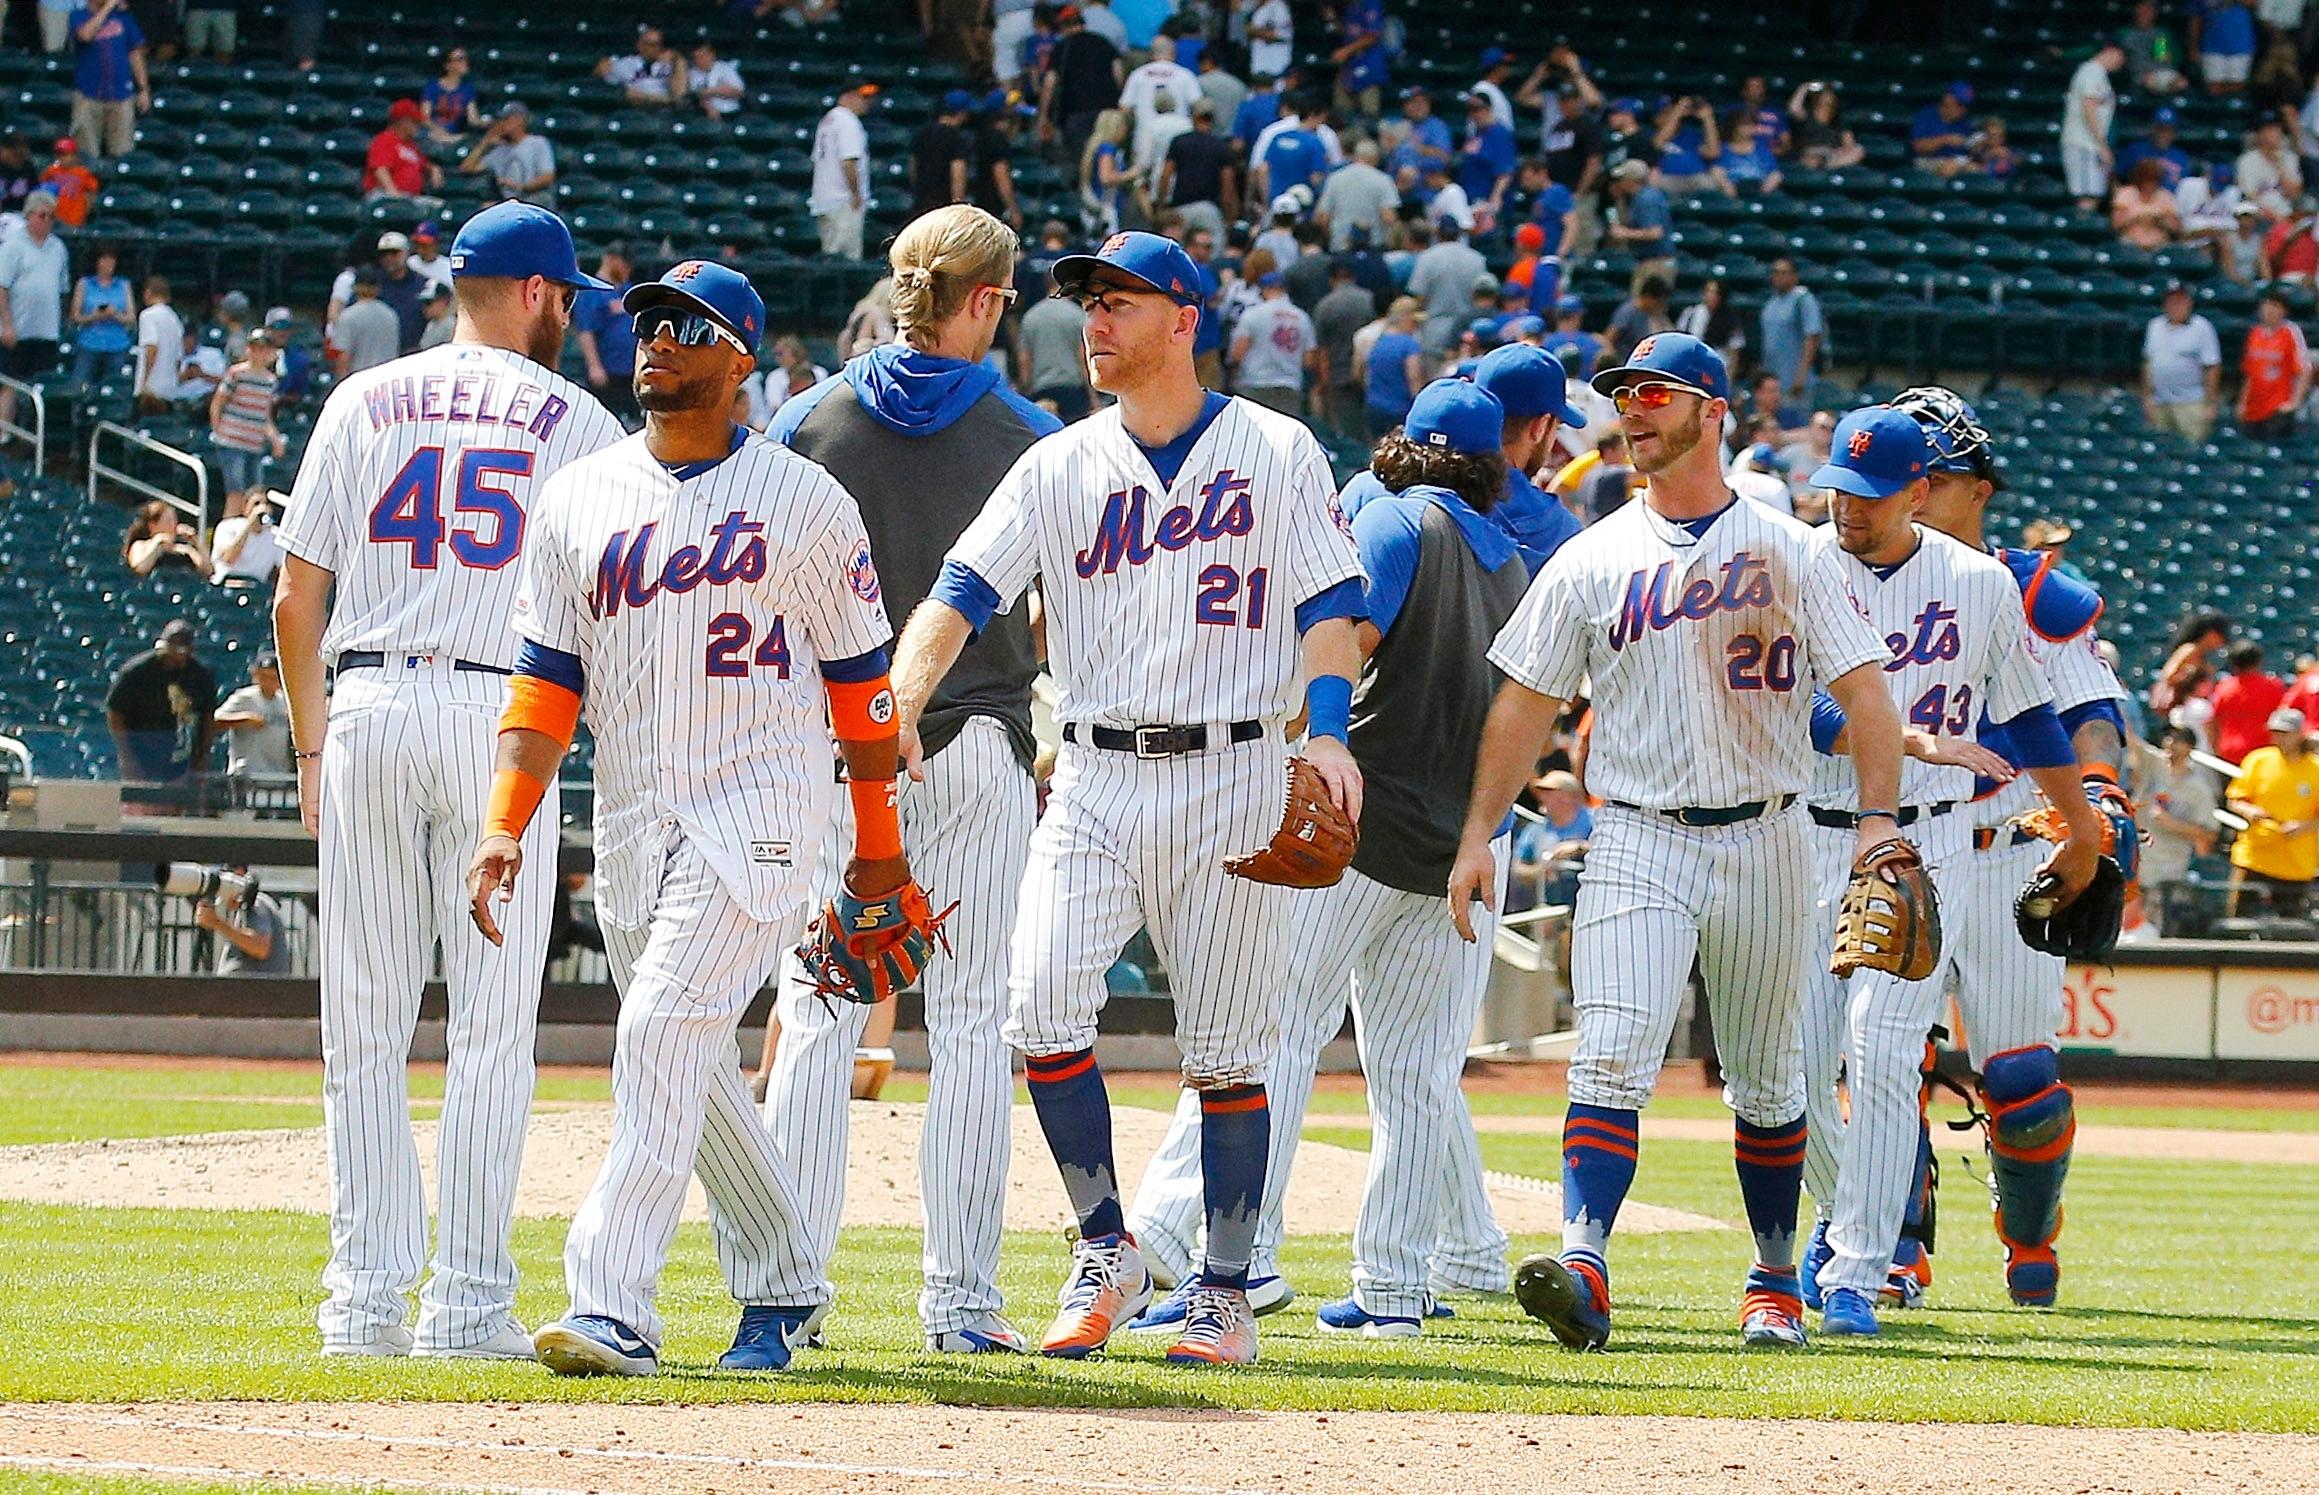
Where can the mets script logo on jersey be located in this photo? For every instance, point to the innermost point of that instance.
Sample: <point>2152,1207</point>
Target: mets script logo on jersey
<point>1651,603</point>
<point>1225,509</point>
<point>861,573</point>
<point>624,576</point>
<point>1936,639</point>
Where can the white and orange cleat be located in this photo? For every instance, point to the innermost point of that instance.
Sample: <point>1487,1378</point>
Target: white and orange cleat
<point>1219,1329</point>
<point>1108,1286</point>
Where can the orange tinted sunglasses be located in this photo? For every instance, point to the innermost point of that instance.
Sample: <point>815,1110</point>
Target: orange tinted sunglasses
<point>1647,397</point>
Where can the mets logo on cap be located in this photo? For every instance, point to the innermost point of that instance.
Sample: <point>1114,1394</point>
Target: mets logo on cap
<point>1114,244</point>
<point>1643,348</point>
<point>1861,441</point>
<point>682,273</point>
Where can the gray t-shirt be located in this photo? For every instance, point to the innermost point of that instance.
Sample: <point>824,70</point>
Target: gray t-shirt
<point>35,276</point>
<point>261,916</point>
<point>263,749</point>
<point>1343,312</point>
<point>1358,195</point>
<point>525,160</point>
<point>368,333</point>
<point>1279,337</point>
<point>1444,278</point>
<point>1051,332</point>
<point>1788,319</point>
<point>2193,797</point>
<point>2178,354</point>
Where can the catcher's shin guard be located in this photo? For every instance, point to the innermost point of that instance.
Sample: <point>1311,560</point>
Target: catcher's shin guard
<point>2032,1123</point>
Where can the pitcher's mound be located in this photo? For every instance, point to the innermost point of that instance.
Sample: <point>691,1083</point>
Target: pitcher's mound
<point>290,1170</point>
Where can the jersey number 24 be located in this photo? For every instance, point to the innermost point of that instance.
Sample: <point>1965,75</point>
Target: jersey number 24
<point>410,512</point>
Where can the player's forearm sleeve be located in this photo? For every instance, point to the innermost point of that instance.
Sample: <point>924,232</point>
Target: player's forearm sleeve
<point>2039,741</point>
<point>1347,599</point>
<point>962,589</point>
<point>861,710</point>
<point>534,704</point>
<point>1827,722</point>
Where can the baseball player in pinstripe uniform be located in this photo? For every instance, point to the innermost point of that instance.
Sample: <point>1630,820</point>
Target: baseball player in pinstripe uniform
<point>1385,950</point>
<point>1191,557</point>
<point>703,594</point>
<point>924,405</point>
<point>1959,654</point>
<point>2009,995</point>
<point>1701,621</point>
<point>414,501</point>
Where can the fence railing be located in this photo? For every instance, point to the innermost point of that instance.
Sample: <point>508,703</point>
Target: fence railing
<point>37,432</point>
<point>195,508</point>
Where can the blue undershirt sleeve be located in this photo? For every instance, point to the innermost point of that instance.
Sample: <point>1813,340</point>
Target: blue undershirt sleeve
<point>859,668</point>
<point>2104,710</point>
<point>1827,722</point>
<point>961,587</point>
<point>552,665</point>
<point>2039,740</point>
<point>1344,600</point>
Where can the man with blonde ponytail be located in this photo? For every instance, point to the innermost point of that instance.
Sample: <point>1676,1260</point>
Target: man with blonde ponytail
<point>920,431</point>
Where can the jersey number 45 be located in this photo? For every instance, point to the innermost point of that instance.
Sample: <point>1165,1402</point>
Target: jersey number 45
<point>410,512</point>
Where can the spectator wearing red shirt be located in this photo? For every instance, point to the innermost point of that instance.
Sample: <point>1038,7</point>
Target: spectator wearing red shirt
<point>2276,369</point>
<point>396,166</point>
<point>2243,702</point>
<point>2303,695</point>
<point>2291,250</point>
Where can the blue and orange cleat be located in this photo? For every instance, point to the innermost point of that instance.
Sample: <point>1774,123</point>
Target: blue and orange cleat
<point>2032,1275</point>
<point>1219,1329</point>
<point>1910,1279</point>
<point>1570,1295</point>
<point>1771,1310</point>
<point>1108,1286</point>
<point>1817,1254</point>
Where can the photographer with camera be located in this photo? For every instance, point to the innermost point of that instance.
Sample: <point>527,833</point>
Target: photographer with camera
<point>247,922</point>
<point>245,548</point>
<point>1690,148</point>
<point>159,536</point>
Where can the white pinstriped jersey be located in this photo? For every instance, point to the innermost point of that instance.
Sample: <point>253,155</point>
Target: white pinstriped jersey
<point>2074,667</point>
<point>1701,651</point>
<point>417,489</point>
<point>1175,603</point>
<point>700,609</point>
<point>1959,646</point>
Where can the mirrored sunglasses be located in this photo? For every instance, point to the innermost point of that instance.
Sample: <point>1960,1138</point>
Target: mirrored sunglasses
<point>687,329</point>
<point>1647,396</point>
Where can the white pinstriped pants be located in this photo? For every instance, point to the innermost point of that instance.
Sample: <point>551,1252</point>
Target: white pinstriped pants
<point>681,1106</point>
<point>1425,1210</point>
<point>406,772</point>
<point>1653,895</point>
<point>1860,1169</point>
<point>967,830</point>
<point>2008,995</point>
<point>1130,843</point>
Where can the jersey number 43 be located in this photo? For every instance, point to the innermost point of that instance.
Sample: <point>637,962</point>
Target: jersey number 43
<point>410,512</point>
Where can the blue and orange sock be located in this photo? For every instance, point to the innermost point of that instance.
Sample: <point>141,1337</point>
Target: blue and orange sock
<point>1075,1112</point>
<point>1235,1137</point>
<point>1771,1181</point>
<point>1598,1167</point>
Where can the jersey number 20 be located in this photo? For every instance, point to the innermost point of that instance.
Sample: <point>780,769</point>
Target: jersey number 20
<point>410,512</point>
<point>1751,664</point>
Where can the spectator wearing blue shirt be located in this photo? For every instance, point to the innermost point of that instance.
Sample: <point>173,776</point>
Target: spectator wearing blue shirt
<point>1395,370</point>
<point>1547,851</point>
<point>1790,333</point>
<point>1570,337</point>
<point>1363,65</point>
<point>1485,163</point>
<point>1770,121</point>
<point>1257,112</point>
<point>109,85</point>
<point>1690,147</point>
<point>1423,140</point>
<point>1939,137</point>
<point>2159,145</point>
<point>2222,38</point>
<point>1296,157</point>
<point>1641,222</point>
<point>607,337</point>
<point>1748,162</point>
<point>1208,340</point>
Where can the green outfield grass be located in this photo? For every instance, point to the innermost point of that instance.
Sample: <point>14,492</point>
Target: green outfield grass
<point>2185,1305</point>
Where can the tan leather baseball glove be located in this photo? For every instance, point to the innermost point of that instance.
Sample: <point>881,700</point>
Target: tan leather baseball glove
<point>1890,919</point>
<point>1315,842</point>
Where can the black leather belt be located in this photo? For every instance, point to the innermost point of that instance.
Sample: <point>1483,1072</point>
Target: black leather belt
<point>1158,742</point>
<point>1989,837</point>
<point>372,659</point>
<point>1696,816</point>
<point>1848,820</point>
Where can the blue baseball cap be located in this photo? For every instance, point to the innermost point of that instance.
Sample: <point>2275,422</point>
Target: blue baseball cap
<point>1670,358</point>
<point>1961,91</point>
<point>1569,303</point>
<point>958,101</point>
<point>2164,116</point>
<point>1632,106</point>
<point>515,241</point>
<point>1875,453</point>
<point>1522,327</point>
<point>1483,327</point>
<point>1160,263</point>
<point>1492,56</point>
<point>1764,455</point>
<point>1527,384</point>
<point>721,292</point>
<point>1269,279</point>
<point>1456,415</point>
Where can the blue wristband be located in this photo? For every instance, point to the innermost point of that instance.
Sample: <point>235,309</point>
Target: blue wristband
<point>1328,704</point>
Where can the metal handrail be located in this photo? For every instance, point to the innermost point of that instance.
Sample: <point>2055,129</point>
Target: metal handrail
<point>37,433</point>
<point>199,508</point>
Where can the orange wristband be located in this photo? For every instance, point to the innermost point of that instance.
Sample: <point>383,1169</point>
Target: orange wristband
<point>877,824</point>
<point>515,798</point>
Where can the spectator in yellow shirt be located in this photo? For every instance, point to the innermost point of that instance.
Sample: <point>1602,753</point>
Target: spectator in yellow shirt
<point>2277,794</point>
